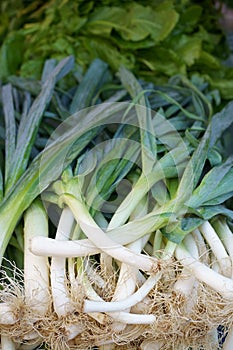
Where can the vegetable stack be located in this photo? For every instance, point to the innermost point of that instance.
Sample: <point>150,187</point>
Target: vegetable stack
<point>154,39</point>
<point>126,220</point>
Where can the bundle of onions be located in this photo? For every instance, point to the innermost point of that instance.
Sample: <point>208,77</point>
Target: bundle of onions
<point>149,269</point>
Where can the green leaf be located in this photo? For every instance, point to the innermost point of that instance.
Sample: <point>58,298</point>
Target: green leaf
<point>160,193</point>
<point>174,232</point>
<point>215,187</point>
<point>189,224</point>
<point>221,122</point>
<point>88,87</point>
<point>104,19</point>
<point>1,186</point>
<point>32,68</point>
<point>162,60</point>
<point>10,128</point>
<point>193,170</point>
<point>142,21</point>
<point>188,48</point>
<point>105,50</point>
<point>75,23</point>
<point>148,140</point>
<point>49,164</point>
<point>224,85</point>
<point>208,212</point>
<point>118,157</point>
<point>190,17</point>
<point>29,85</point>
<point>214,157</point>
<point>29,125</point>
<point>132,45</point>
<point>49,66</point>
<point>200,100</point>
<point>11,54</point>
<point>206,59</point>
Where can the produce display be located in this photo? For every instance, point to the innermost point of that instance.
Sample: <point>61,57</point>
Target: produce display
<point>115,177</point>
<point>155,39</point>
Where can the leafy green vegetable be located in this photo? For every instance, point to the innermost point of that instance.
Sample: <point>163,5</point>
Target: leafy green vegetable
<point>24,179</point>
<point>155,39</point>
<point>216,186</point>
<point>89,86</point>
<point>25,102</point>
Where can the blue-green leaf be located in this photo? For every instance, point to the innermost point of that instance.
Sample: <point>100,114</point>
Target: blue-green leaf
<point>216,186</point>
<point>10,128</point>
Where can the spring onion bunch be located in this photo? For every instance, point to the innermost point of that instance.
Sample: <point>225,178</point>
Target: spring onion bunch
<point>139,254</point>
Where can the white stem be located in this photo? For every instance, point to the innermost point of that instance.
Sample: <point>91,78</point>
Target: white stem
<point>169,250</point>
<point>219,283</point>
<point>126,283</point>
<point>217,248</point>
<point>72,330</point>
<point>142,307</point>
<point>7,314</point>
<point>29,336</point>
<point>191,246</point>
<point>225,235</point>
<point>106,264</point>
<point>130,318</point>
<point>128,274</point>
<point>29,346</point>
<point>157,244</point>
<point>92,295</point>
<point>94,276</point>
<point>214,264</point>
<point>151,345</point>
<point>36,269</point>
<point>122,317</point>
<point>70,249</point>
<point>43,246</point>
<point>148,249</point>
<point>106,342</point>
<point>185,282</point>
<point>7,343</point>
<point>61,299</point>
<point>107,347</point>
<point>127,278</point>
<point>102,240</point>
<point>71,271</point>
<point>140,294</point>
<point>123,235</point>
<point>202,249</point>
<point>213,334</point>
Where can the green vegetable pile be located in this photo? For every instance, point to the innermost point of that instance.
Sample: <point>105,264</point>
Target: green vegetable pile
<point>155,40</point>
<point>118,230</point>
<point>116,176</point>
